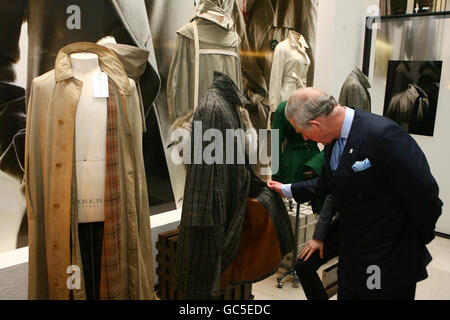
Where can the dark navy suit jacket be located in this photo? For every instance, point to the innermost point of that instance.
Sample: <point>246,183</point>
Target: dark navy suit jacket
<point>388,212</point>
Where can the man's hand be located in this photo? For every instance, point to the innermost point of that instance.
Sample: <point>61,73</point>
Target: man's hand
<point>275,186</point>
<point>310,248</point>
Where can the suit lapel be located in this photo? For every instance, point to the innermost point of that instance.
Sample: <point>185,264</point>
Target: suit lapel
<point>349,155</point>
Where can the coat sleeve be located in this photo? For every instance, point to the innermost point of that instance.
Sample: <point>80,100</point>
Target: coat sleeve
<point>316,162</point>
<point>178,80</point>
<point>408,171</point>
<point>325,217</point>
<point>276,78</point>
<point>29,190</point>
<point>311,189</point>
<point>200,196</point>
<point>37,268</point>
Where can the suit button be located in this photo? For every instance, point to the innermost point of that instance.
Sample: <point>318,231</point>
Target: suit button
<point>55,245</point>
<point>55,282</point>
<point>56,205</point>
<point>59,165</point>
<point>60,121</point>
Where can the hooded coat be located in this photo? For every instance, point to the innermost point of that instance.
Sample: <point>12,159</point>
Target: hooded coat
<point>216,32</point>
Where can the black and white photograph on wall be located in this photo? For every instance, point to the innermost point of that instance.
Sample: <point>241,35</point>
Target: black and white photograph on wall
<point>412,92</point>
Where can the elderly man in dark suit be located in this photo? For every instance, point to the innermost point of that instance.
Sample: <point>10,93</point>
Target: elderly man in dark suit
<point>387,198</point>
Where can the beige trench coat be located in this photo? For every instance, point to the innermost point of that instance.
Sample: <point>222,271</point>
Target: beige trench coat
<point>269,24</point>
<point>289,69</point>
<point>50,192</point>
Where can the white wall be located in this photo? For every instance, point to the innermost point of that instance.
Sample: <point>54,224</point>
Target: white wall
<point>340,48</point>
<point>14,275</point>
<point>340,41</point>
<point>12,201</point>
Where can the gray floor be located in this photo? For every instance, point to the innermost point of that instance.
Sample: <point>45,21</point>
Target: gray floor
<point>436,287</point>
<point>12,209</point>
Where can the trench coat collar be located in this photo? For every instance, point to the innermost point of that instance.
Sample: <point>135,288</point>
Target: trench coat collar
<point>202,12</point>
<point>225,85</point>
<point>362,78</point>
<point>297,41</point>
<point>109,63</point>
<point>415,92</point>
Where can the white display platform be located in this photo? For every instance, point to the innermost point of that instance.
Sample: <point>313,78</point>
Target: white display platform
<point>14,264</point>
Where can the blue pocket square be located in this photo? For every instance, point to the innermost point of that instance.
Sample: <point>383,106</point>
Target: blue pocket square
<point>361,165</point>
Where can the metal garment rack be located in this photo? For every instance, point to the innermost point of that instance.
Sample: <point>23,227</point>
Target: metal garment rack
<point>292,271</point>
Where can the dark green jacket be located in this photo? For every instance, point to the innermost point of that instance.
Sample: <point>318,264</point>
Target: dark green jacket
<point>296,153</point>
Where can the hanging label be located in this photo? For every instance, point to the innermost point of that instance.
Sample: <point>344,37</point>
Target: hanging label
<point>101,85</point>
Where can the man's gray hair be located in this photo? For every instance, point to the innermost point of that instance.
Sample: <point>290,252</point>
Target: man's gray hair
<point>304,110</point>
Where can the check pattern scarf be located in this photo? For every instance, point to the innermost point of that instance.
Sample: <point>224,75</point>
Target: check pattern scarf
<point>110,271</point>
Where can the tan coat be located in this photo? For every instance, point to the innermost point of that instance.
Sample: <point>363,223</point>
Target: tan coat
<point>289,69</point>
<point>50,192</point>
<point>269,23</point>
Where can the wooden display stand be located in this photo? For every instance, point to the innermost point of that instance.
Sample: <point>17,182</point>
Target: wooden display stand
<point>167,251</point>
<point>330,280</point>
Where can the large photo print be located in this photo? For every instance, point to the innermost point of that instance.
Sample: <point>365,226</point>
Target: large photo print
<point>412,92</point>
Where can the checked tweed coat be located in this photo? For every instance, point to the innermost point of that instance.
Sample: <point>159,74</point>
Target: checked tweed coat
<point>215,200</point>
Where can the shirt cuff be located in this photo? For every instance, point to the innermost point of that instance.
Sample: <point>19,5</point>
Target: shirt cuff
<point>286,189</point>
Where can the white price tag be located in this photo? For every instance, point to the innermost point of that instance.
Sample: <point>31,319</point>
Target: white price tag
<point>101,89</point>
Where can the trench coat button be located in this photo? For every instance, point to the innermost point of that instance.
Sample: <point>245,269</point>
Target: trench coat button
<point>59,165</point>
<point>55,245</point>
<point>55,282</point>
<point>61,121</point>
<point>56,205</point>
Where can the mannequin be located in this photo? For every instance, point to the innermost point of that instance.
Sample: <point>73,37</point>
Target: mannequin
<point>289,69</point>
<point>90,155</point>
<point>90,141</point>
<point>107,39</point>
<point>111,245</point>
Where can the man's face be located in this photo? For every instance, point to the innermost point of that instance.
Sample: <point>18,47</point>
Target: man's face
<point>316,132</point>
